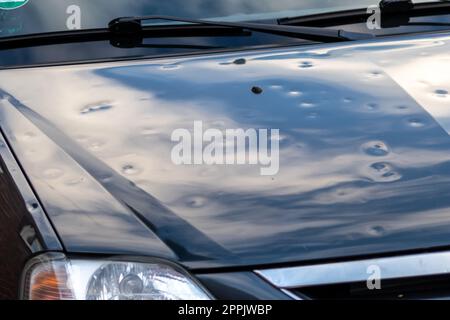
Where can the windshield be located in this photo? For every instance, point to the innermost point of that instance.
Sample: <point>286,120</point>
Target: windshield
<point>18,17</point>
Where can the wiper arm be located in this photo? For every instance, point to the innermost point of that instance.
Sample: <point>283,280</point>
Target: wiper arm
<point>132,26</point>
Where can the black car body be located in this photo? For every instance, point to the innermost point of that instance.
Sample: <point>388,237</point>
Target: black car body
<point>364,172</point>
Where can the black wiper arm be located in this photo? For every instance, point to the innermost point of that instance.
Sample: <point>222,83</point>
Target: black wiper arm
<point>132,26</point>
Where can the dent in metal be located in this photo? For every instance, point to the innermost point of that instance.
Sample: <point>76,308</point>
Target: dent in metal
<point>98,179</point>
<point>29,236</point>
<point>364,167</point>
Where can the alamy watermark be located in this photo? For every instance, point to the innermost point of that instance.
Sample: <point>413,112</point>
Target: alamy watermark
<point>73,21</point>
<point>238,146</point>
<point>374,20</point>
<point>374,277</point>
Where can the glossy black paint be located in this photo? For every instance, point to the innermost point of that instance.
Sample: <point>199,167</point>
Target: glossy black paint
<point>364,153</point>
<point>240,286</point>
<point>24,228</point>
<point>72,53</point>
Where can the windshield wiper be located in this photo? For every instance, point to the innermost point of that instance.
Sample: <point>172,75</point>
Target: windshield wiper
<point>400,10</point>
<point>132,27</point>
<point>94,35</point>
<point>129,33</point>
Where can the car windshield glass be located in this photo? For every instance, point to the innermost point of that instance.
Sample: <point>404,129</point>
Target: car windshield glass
<point>19,17</point>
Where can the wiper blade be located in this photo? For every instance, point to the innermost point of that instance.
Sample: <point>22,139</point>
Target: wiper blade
<point>94,35</point>
<point>388,8</point>
<point>132,26</point>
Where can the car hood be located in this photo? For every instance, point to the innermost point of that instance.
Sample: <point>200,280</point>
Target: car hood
<point>364,152</point>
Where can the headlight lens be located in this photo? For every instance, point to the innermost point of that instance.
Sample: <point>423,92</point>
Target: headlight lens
<point>55,277</point>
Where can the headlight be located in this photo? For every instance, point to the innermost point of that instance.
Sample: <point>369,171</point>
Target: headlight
<point>53,276</point>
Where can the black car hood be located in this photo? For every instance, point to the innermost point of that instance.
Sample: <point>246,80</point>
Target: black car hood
<point>364,152</point>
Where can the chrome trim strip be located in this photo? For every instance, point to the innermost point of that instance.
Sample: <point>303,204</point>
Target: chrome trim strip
<point>50,239</point>
<point>358,271</point>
